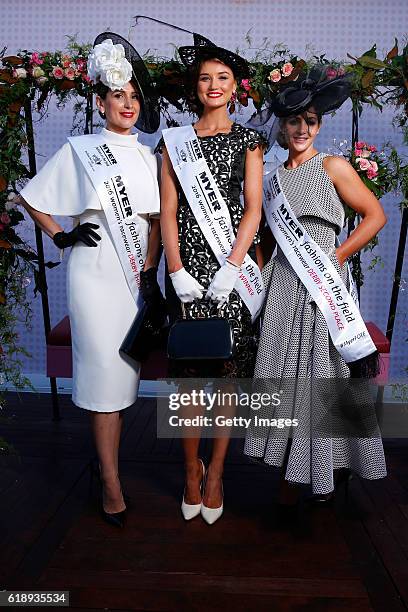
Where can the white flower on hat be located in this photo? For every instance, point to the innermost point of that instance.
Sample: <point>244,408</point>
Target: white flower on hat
<point>115,76</point>
<point>108,63</point>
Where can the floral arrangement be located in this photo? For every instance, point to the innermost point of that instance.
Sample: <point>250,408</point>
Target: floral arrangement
<point>284,72</point>
<point>49,71</point>
<point>395,76</point>
<point>267,77</point>
<point>37,75</point>
<point>371,167</point>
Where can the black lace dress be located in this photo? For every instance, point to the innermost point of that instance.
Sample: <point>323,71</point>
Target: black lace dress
<point>225,156</point>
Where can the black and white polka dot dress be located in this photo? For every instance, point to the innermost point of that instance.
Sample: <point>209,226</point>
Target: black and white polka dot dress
<point>295,349</point>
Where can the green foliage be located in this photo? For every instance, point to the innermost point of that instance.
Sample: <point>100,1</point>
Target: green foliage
<point>38,76</point>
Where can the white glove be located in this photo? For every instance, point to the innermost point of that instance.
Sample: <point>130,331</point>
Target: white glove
<point>223,283</point>
<point>186,286</point>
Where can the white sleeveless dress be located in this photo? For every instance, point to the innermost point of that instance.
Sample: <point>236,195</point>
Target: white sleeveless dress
<point>100,305</point>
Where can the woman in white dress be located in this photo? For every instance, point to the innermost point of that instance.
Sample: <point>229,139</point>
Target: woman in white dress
<point>102,303</point>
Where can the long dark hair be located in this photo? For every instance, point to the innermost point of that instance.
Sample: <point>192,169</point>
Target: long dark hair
<point>192,76</point>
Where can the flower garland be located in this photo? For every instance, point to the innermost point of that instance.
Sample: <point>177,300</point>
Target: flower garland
<point>38,75</point>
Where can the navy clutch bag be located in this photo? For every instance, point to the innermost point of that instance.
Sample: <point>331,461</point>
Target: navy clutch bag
<point>191,339</point>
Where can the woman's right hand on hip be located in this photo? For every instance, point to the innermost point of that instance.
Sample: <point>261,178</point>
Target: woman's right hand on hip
<point>186,286</point>
<point>84,232</point>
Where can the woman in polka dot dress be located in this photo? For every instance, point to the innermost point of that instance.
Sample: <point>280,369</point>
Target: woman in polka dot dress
<point>295,344</point>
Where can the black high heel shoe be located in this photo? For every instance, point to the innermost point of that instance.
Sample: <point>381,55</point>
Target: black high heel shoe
<point>344,477</point>
<point>96,470</point>
<point>117,519</point>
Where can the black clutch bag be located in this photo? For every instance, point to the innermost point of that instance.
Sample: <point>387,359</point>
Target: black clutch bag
<point>211,338</point>
<point>146,334</point>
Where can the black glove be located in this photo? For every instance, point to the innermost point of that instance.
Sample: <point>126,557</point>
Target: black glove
<point>83,232</point>
<point>149,287</point>
<point>153,297</point>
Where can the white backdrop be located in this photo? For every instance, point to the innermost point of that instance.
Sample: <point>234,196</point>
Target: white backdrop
<point>322,25</point>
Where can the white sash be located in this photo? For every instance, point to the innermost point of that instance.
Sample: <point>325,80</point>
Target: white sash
<point>210,210</point>
<point>109,182</point>
<point>313,267</point>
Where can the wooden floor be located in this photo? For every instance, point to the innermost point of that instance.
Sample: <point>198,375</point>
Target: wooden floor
<point>350,556</point>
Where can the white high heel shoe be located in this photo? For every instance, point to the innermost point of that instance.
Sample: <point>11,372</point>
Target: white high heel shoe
<point>210,515</point>
<point>190,511</point>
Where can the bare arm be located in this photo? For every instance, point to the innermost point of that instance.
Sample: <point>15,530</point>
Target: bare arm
<point>153,249</point>
<point>168,218</point>
<point>252,205</point>
<point>44,221</point>
<point>355,194</point>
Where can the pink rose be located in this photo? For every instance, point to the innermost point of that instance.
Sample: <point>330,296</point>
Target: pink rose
<point>35,59</point>
<point>331,73</point>
<point>57,72</point>
<point>360,145</point>
<point>371,173</point>
<point>374,166</point>
<point>245,84</point>
<point>287,69</point>
<point>365,153</point>
<point>81,64</point>
<point>66,61</point>
<point>363,163</point>
<point>358,152</point>
<point>275,75</point>
<point>86,78</point>
<point>372,148</point>
<point>5,218</point>
<point>70,73</point>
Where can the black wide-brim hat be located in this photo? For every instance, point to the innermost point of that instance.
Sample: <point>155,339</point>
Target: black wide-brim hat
<point>148,120</point>
<point>203,49</point>
<point>318,88</point>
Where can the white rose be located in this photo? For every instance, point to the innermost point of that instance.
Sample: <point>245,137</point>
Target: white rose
<point>102,55</point>
<point>38,72</point>
<point>41,80</point>
<point>20,73</point>
<point>115,76</point>
<point>11,203</point>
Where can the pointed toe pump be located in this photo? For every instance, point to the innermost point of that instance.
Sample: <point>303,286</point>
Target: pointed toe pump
<point>190,511</point>
<point>210,515</point>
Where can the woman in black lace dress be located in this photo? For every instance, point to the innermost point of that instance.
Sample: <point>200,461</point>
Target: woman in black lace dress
<point>234,156</point>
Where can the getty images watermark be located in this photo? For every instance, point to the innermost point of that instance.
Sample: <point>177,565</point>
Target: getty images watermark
<point>307,408</point>
<point>218,412</point>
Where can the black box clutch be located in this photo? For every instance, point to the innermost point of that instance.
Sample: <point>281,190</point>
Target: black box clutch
<point>211,338</point>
